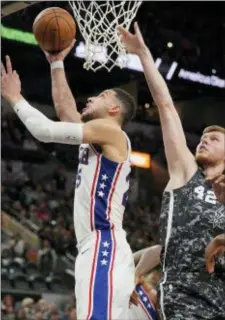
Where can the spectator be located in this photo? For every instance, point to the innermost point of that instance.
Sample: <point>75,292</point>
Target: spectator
<point>42,306</point>
<point>55,316</point>
<point>21,314</point>
<point>19,246</point>
<point>39,316</point>
<point>68,310</point>
<point>73,314</point>
<point>8,308</point>
<point>29,308</point>
<point>47,259</point>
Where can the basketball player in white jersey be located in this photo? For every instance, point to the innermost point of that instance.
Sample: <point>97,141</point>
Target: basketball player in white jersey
<point>104,272</point>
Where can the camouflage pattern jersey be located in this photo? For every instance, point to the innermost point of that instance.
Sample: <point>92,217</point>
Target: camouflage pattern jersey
<point>190,218</point>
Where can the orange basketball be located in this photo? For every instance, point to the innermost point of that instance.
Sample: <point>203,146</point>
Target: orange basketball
<point>54,29</point>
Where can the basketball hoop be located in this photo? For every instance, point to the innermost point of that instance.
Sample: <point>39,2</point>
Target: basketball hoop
<point>98,21</point>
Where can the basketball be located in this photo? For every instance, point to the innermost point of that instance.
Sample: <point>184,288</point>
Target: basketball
<point>54,29</point>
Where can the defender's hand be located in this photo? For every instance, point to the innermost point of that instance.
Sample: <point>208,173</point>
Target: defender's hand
<point>218,184</point>
<point>10,85</point>
<point>215,248</point>
<point>134,43</point>
<point>61,55</point>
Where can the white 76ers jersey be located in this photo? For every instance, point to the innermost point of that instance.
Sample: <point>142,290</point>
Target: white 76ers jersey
<point>101,192</point>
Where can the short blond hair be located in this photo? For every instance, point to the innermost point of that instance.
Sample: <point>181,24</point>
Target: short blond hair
<point>214,128</point>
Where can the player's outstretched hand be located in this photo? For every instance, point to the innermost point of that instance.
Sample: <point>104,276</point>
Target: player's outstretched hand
<point>218,184</point>
<point>10,85</point>
<point>134,43</point>
<point>61,55</point>
<point>215,248</point>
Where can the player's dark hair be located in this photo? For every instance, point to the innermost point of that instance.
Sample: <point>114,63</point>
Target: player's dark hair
<point>129,105</point>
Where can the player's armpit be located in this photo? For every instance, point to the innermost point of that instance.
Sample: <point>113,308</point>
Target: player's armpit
<point>101,132</point>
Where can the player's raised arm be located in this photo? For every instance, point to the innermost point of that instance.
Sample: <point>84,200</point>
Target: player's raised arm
<point>104,131</point>
<point>99,132</point>
<point>179,158</point>
<point>64,102</point>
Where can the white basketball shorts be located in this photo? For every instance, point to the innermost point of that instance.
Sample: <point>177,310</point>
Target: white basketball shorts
<point>104,276</point>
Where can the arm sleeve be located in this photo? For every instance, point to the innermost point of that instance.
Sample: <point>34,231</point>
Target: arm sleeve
<point>46,130</point>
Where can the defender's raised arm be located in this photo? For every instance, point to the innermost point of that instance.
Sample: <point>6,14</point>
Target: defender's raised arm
<point>179,158</point>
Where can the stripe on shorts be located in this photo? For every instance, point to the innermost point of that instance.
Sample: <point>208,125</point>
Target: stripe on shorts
<point>100,294</point>
<point>110,295</point>
<point>145,302</point>
<point>93,272</point>
<point>101,283</point>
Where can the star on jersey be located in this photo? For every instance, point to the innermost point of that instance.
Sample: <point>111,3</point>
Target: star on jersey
<point>105,253</point>
<point>106,244</point>
<point>149,306</point>
<point>104,177</point>
<point>140,292</point>
<point>102,185</point>
<point>101,194</point>
<point>104,262</point>
<point>145,299</point>
<point>218,219</point>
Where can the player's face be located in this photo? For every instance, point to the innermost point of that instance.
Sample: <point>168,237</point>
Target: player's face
<point>100,106</point>
<point>211,149</point>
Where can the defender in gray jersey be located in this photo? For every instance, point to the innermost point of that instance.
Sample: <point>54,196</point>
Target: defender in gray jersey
<point>193,210</point>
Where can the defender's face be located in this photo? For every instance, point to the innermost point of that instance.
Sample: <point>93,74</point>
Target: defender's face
<point>211,148</point>
<point>98,107</point>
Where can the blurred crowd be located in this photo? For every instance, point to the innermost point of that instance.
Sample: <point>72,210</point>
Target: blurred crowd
<point>45,203</point>
<point>29,309</point>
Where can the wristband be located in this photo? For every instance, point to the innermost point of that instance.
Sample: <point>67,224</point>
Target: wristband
<point>57,65</point>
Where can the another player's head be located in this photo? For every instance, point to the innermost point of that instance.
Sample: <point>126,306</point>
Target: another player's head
<point>115,104</point>
<point>211,149</point>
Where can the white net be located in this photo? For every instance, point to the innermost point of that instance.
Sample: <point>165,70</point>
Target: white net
<point>98,21</point>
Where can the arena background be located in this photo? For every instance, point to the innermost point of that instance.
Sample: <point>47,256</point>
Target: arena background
<point>38,245</point>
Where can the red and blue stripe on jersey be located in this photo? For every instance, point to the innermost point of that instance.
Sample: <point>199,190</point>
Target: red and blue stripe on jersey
<point>101,283</point>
